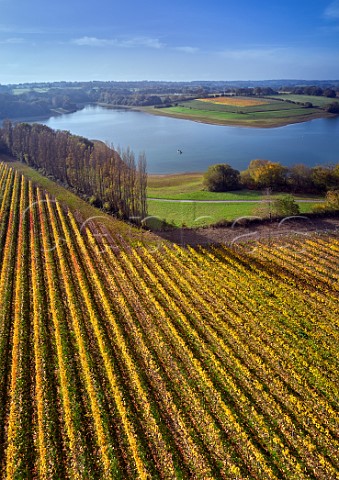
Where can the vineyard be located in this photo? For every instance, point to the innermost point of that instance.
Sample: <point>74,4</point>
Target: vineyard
<point>120,362</point>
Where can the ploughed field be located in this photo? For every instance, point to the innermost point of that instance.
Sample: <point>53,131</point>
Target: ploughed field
<point>128,362</point>
<point>236,101</point>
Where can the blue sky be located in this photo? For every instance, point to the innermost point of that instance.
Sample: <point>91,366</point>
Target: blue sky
<point>168,40</point>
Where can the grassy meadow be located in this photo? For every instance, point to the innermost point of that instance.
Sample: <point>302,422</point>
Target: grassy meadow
<point>196,214</point>
<point>189,186</point>
<point>315,100</point>
<point>193,207</point>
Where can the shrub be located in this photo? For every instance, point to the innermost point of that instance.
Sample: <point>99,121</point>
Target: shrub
<point>331,203</point>
<point>333,107</point>
<point>285,205</point>
<point>263,174</point>
<point>95,201</point>
<point>221,178</point>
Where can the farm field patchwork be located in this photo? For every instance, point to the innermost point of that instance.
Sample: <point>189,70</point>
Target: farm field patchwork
<point>136,362</point>
<point>240,105</point>
<point>246,111</point>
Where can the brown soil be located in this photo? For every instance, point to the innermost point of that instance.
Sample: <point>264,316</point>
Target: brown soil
<point>274,231</point>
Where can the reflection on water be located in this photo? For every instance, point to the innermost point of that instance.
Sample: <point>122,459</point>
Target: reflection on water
<point>311,143</point>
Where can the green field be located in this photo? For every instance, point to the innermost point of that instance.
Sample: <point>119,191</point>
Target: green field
<point>189,186</point>
<point>177,187</point>
<point>197,214</point>
<point>20,91</point>
<point>215,107</point>
<point>159,185</point>
<point>316,101</point>
<point>270,118</point>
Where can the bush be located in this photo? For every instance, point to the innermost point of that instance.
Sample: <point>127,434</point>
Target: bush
<point>333,107</point>
<point>331,203</point>
<point>332,199</point>
<point>264,174</point>
<point>95,201</point>
<point>285,206</point>
<point>221,178</point>
<point>325,177</point>
<point>107,206</point>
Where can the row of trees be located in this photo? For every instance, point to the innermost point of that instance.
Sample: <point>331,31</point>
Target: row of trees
<point>314,90</point>
<point>108,178</point>
<point>265,174</point>
<point>35,99</point>
<point>16,106</point>
<point>256,91</point>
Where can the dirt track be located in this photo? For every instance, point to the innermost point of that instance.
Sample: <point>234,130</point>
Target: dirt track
<point>302,226</point>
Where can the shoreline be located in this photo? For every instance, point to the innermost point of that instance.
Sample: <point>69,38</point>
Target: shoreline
<point>236,124</point>
<point>35,119</point>
<point>158,112</point>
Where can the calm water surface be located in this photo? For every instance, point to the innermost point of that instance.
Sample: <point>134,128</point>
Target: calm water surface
<point>312,143</point>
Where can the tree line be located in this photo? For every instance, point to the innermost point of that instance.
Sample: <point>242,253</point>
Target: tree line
<point>262,174</point>
<point>42,99</point>
<point>36,104</point>
<point>313,90</point>
<point>106,177</point>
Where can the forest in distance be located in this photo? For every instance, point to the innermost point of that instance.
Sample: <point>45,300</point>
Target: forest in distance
<point>45,99</point>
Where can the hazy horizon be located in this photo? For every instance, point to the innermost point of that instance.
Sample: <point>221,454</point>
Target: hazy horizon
<point>168,40</point>
<point>196,80</point>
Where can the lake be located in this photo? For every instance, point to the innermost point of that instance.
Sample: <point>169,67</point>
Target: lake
<point>312,143</point>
